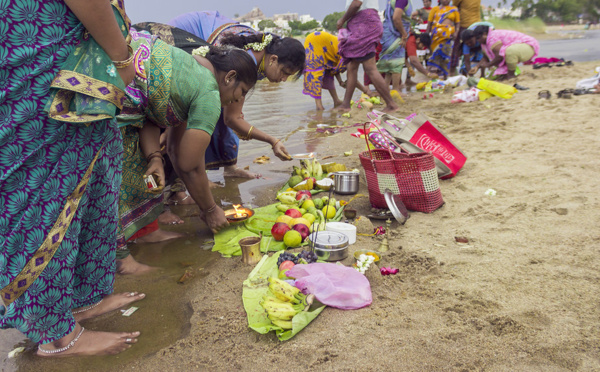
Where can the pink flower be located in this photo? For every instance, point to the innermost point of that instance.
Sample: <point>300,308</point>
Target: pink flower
<point>388,270</point>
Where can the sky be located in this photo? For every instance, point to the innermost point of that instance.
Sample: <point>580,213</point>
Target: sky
<point>164,10</point>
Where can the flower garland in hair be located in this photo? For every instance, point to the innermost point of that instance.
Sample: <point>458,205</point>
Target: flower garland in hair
<point>267,38</point>
<point>201,51</point>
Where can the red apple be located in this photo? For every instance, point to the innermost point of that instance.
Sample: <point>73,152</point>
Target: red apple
<point>286,265</point>
<point>278,230</point>
<point>294,213</point>
<point>300,193</point>
<point>302,229</point>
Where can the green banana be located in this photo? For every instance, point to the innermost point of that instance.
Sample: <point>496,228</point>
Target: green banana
<point>286,199</point>
<point>297,171</point>
<point>285,324</point>
<point>305,173</point>
<point>318,171</point>
<point>283,207</point>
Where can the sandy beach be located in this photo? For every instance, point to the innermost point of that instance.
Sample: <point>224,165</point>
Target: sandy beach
<point>521,295</point>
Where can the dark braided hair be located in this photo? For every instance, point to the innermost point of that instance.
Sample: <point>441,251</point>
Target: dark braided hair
<point>227,58</point>
<point>289,51</point>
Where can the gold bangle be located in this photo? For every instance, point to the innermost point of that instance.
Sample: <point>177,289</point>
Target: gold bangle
<point>248,136</point>
<point>276,142</point>
<point>211,209</point>
<point>127,62</point>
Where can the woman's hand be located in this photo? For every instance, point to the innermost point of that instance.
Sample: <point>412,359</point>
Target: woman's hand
<point>127,74</point>
<point>156,167</point>
<point>215,219</point>
<point>280,151</point>
<point>473,71</point>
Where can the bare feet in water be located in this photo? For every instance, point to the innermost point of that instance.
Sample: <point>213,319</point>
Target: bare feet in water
<point>343,108</point>
<point>169,218</point>
<point>90,343</point>
<point>129,266</point>
<point>235,171</point>
<point>109,303</point>
<point>157,236</point>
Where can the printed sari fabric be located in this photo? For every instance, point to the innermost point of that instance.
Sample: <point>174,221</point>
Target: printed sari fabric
<point>163,94</point>
<point>359,41</point>
<point>323,62</point>
<point>507,38</point>
<point>60,169</point>
<point>442,35</point>
<point>392,58</point>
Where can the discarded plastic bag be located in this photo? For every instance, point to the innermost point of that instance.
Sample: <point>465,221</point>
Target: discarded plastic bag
<point>333,285</point>
<point>498,89</point>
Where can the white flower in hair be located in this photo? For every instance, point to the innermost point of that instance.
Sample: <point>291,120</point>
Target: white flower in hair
<point>201,51</point>
<point>267,38</point>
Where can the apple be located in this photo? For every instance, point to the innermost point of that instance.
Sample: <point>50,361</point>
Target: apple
<point>286,265</point>
<point>302,229</point>
<point>300,193</point>
<point>294,213</point>
<point>278,230</point>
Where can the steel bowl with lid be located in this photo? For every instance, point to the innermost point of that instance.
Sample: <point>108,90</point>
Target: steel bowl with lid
<point>329,245</point>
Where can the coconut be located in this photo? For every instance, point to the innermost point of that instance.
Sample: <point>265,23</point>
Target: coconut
<point>325,184</point>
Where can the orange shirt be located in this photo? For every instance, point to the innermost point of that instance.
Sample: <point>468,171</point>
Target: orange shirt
<point>470,11</point>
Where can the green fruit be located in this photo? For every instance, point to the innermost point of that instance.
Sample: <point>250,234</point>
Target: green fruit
<point>294,180</point>
<point>292,238</point>
<point>308,204</point>
<point>318,203</point>
<point>309,217</point>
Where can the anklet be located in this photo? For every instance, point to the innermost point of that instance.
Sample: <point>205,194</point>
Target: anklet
<point>87,308</point>
<point>69,345</point>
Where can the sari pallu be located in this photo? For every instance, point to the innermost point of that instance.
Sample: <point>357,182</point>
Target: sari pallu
<point>442,37</point>
<point>392,57</point>
<point>59,170</point>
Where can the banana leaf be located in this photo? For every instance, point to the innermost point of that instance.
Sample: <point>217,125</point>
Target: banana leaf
<point>255,287</point>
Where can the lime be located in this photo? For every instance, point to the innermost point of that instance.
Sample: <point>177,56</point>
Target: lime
<point>309,217</point>
<point>292,238</point>
<point>328,211</point>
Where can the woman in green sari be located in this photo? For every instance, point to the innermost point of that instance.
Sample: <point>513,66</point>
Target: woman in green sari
<point>183,94</point>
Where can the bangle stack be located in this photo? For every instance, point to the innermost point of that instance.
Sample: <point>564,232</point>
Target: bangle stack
<point>155,154</point>
<point>211,209</point>
<point>127,62</point>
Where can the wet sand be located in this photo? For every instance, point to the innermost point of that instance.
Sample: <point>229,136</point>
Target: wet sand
<point>522,294</point>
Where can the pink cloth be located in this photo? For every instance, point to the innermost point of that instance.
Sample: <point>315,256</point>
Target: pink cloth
<point>507,38</point>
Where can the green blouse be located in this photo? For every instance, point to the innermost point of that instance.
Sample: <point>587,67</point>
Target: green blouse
<point>194,92</point>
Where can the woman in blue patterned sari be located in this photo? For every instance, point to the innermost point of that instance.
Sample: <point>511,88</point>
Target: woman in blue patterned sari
<point>60,171</point>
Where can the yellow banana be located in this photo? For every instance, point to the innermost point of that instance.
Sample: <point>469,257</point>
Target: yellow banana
<point>285,324</point>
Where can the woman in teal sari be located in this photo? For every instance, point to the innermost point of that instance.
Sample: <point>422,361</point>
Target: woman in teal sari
<point>64,65</point>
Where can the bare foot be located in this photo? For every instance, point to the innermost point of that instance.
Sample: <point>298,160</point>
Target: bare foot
<point>157,236</point>
<point>391,108</point>
<point>91,343</point>
<point>343,108</point>
<point>109,303</point>
<point>337,103</point>
<point>129,266</point>
<point>181,197</point>
<point>169,218</point>
<point>235,171</point>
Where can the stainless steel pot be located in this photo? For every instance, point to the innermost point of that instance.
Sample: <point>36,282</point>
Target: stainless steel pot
<point>329,245</point>
<point>345,183</point>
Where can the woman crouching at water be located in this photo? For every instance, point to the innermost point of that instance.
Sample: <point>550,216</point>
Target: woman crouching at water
<point>183,94</point>
<point>65,67</point>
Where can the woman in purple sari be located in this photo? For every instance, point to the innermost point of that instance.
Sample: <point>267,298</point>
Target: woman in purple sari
<point>357,45</point>
<point>64,65</point>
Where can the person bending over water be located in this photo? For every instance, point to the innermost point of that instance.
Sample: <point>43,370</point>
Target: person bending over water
<point>60,172</point>
<point>182,94</point>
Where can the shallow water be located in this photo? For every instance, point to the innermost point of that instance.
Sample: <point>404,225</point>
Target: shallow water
<point>163,316</point>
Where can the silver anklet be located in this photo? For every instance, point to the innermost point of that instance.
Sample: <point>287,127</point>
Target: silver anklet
<point>87,308</point>
<point>69,345</point>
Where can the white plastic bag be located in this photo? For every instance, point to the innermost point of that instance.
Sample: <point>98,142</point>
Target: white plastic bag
<point>589,82</point>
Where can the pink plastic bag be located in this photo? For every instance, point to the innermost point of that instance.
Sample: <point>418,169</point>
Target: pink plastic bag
<point>333,285</point>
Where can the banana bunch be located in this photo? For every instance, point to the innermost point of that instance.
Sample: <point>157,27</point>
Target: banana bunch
<point>287,197</point>
<point>310,168</point>
<point>283,301</point>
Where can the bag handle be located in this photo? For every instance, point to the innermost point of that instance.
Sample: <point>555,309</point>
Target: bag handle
<point>386,136</point>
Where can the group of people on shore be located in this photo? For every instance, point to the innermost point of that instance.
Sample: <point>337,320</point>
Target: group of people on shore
<point>447,31</point>
<point>91,104</point>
